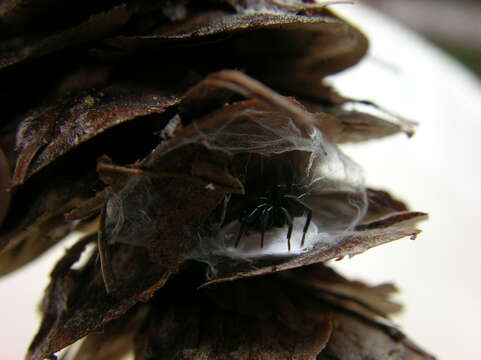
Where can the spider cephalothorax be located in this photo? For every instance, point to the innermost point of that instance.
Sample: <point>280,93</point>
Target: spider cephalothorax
<point>275,208</point>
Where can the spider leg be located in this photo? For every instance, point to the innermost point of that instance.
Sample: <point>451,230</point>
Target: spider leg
<point>264,217</point>
<point>241,232</point>
<point>298,203</point>
<point>248,220</point>
<point>254,214</point>
<point>289,222</point>
<point>301,205</point>
<point>306,226</point>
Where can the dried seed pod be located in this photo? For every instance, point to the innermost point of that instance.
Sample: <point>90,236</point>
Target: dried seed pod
<point>174,166</point>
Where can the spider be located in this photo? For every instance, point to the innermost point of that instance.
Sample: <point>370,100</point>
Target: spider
<point>276,209</point>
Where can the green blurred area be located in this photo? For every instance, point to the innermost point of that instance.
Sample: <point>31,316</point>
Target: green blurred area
<point>469,57</point>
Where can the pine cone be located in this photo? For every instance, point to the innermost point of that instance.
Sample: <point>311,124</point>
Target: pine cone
<point>213,196</point>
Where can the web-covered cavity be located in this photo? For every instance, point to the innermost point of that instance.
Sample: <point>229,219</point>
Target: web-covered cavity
<point>281,162</point>
<point>272,152</point>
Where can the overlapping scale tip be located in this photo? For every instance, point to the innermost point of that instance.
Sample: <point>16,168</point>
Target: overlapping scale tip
<point>189,180</point>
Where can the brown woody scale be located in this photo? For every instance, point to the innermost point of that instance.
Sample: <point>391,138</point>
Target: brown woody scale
<point>95,93</point>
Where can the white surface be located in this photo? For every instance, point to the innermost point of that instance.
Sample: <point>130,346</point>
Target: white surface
<point>20,293</point>
<point>436,171</point>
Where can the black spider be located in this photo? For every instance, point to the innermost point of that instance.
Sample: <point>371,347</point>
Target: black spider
<point>276,209</point>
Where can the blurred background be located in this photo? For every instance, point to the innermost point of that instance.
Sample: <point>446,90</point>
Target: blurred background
<point>454,25</point>
<point>425,64</point>
<point>408,71</point>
